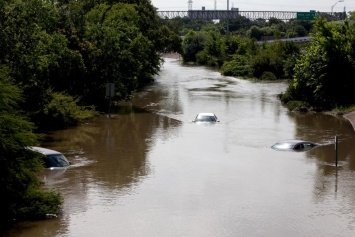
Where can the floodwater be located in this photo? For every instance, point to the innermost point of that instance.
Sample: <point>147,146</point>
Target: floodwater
<point>149,171</point>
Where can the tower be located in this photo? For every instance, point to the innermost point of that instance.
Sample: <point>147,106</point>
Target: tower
<point>189,5</point>
<point>215,4</point>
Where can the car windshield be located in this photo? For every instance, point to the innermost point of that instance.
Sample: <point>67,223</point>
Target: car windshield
<point>56,160</point>
<point>204,118</point>
<point>283,146</point>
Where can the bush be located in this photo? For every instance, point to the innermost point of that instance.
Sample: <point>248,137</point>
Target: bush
<point>204,58</point>
<point>20,187</point>
<point>239,66</point>
<point>38,204</point>
<point>268,76</point>
<point>63,111</point>
<point>300,106</point>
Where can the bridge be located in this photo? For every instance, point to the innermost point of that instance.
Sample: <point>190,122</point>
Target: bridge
<point>252,15</point>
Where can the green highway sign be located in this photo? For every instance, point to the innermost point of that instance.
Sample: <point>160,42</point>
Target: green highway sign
<point>306,15</point>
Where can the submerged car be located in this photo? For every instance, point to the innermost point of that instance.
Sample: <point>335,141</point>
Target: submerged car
<point>293,145</point>
<point>206,117</point>
<point>51,158</point>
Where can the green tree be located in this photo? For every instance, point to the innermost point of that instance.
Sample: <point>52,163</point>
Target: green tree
<point>238,52</point>
<point>236,45</point>
<point>324,75</point>
<point>120,52</point>
<point>76,47</point>
<point>300,30</point>
<point>255,32</point>
<point>212,53</point>
<point>22,196</point>
<point>193,43</point>
<point>37,54</point>
<point>276,58</point>
<point>239,66</point>
<point>169,39</point>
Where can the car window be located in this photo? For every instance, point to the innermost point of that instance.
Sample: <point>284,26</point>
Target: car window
<point>299,146</point>
<point>56,160</point>
<point>210,118</point>
<point>205,119</point>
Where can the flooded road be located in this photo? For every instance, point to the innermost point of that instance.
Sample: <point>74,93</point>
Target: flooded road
<point>149,171</point>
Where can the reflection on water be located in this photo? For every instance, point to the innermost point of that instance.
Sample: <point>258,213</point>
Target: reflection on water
<point>117,146</point>
<point>150,171</point>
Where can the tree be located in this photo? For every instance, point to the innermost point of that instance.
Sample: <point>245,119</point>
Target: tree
<point>76,47</point>
<point>120,52</point>
<point>239,24</point>
<point>37,55</point>
<point>192,44</point>
<point>324,75</point>
<point>255,32</point>
<point>212,53</point>
<point>22,196</point>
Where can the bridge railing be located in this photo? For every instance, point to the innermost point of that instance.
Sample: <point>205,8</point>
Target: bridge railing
<point>234,14</point>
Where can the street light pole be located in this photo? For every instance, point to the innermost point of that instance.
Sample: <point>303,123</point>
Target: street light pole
<point>334,5</point>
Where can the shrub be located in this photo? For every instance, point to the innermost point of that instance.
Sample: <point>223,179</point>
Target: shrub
<point>268,76</point>
<point>239,66</point>
<point>300,106</point>
<point>63,111</point>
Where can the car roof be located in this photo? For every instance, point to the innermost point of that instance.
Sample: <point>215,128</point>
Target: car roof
<point>293,141</point>
<point>206,114</point>
<point>44,151</point>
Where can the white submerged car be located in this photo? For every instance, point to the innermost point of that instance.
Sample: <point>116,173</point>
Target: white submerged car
<point>294,145</point>
<point>206,118</point>
<point>51,158</point>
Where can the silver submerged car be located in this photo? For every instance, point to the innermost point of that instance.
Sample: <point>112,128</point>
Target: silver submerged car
<point>51,158</point>
<point>293,145</point>
<point>206,118</point>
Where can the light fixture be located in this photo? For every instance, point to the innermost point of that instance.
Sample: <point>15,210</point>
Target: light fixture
<point>335,4</point>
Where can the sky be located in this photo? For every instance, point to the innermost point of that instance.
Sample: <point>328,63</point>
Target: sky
<point>258,5</point>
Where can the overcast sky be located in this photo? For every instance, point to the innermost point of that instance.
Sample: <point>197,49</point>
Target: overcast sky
<point>258,5</point>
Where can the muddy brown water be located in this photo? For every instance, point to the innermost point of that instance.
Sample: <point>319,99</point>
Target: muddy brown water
<point>149,171</point>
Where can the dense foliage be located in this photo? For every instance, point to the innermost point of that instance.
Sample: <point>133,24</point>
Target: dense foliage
<point>74,48</point>
<point>243,50</point>
<point>321,71</point>
<point>56,58</point>
<point>237,56</point>
<point>236,52</point>
<point>324,75</point>
<point>258,29</point>
<point>20,188</point>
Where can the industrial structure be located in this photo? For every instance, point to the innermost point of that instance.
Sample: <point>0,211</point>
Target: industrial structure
<point>189,5</point>
<point>234,13</point>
